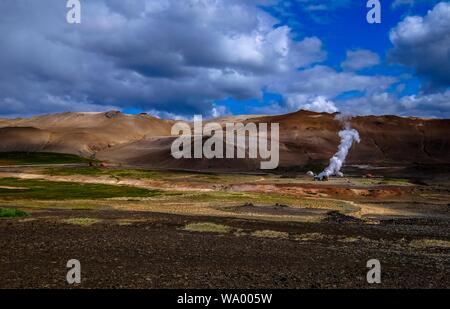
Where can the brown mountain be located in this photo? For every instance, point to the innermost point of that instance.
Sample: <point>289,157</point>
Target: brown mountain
<point>78,133</point>
<point>305,137</point>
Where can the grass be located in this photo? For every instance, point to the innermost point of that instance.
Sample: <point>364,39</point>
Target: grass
<point>97,171</point>
<point>173,176</point>
<point>310,237</point>
<point>12,213</point>
<point>38,158</point>
<point>206,227</point>
<point>351,239</point>
<point>221,203</point>
<point>268,199</point>
<point>270,234</point>
<point>48,190</point>
<point>44,194</point>
<point>396,181</point>
<point>128,222</point>
<point>82,196</point>
<point>81,221</point>
<point>430,243</point>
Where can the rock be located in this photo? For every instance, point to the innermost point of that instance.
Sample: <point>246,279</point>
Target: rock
<point>113,114</point>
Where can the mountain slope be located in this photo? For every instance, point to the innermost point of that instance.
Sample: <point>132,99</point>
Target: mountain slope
<point>78,133</point>
<point>305,138</point>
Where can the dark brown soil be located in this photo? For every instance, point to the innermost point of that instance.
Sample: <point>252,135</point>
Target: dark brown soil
<point>278,210</point>
<point>159,253</point>
<point>337,217</point>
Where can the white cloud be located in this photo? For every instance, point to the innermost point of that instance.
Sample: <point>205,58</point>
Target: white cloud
<point>319,104</point>
<point>423,44</point>
<point>398,3</point>
<point>324,81</point>
<point>360,59</point>
<point>429,105</point>
<point>420,105</point>
<point>219,111</point>
<point>381,103</point>
<point>411,3</point>
<point>313,89</point>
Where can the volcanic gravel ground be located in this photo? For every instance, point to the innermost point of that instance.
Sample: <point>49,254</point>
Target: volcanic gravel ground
<point>159,253</point>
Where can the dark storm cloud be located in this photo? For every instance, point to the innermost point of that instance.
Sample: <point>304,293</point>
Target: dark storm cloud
<point>174,56</point>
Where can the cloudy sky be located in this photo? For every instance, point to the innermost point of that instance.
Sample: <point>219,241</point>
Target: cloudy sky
<point>176,58</point>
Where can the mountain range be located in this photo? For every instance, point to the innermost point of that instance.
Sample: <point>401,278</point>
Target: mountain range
<point>305,138</point>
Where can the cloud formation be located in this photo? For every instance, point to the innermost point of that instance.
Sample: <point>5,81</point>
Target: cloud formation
<point>319,104</point>
<point>423,44</point>
<point>178,58</point>
<point>410,3</point>
<point>171,56</point>
<point>360,59</point>
<point>384,103</point>
<point>326,81</point>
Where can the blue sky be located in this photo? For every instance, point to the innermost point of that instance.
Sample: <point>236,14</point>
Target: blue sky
<point>175,59</point>
<point>343,26</point>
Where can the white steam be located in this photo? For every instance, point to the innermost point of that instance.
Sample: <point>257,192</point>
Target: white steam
<point>348,136</point>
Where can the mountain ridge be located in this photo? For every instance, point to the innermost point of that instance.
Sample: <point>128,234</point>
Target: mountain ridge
<point>305,138</point>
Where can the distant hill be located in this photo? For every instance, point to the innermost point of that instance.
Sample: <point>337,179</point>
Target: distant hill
<point>305,138</point>
<point>82,134</point>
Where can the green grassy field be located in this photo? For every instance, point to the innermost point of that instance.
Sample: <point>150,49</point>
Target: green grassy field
<point>97,171</point>
<point>31,158</point>
<point>14,189</point>
<point>40,194</point>
<point>12,213</point>
<point>48,194</point>
<point>174,176</point>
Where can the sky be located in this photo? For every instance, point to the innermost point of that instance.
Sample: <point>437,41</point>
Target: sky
<point>175,59</point>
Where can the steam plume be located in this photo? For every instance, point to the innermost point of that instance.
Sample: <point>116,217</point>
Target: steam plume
<point>348,135</point>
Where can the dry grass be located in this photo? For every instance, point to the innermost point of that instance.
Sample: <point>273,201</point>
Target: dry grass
<point>128,222</point>
<point>430,243</point>
<point>206,227</point>
<point>198,200</point>
<point>355,239</point>
<point>82,221</point>
<point>270,234</point>
<point>310,237</point>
